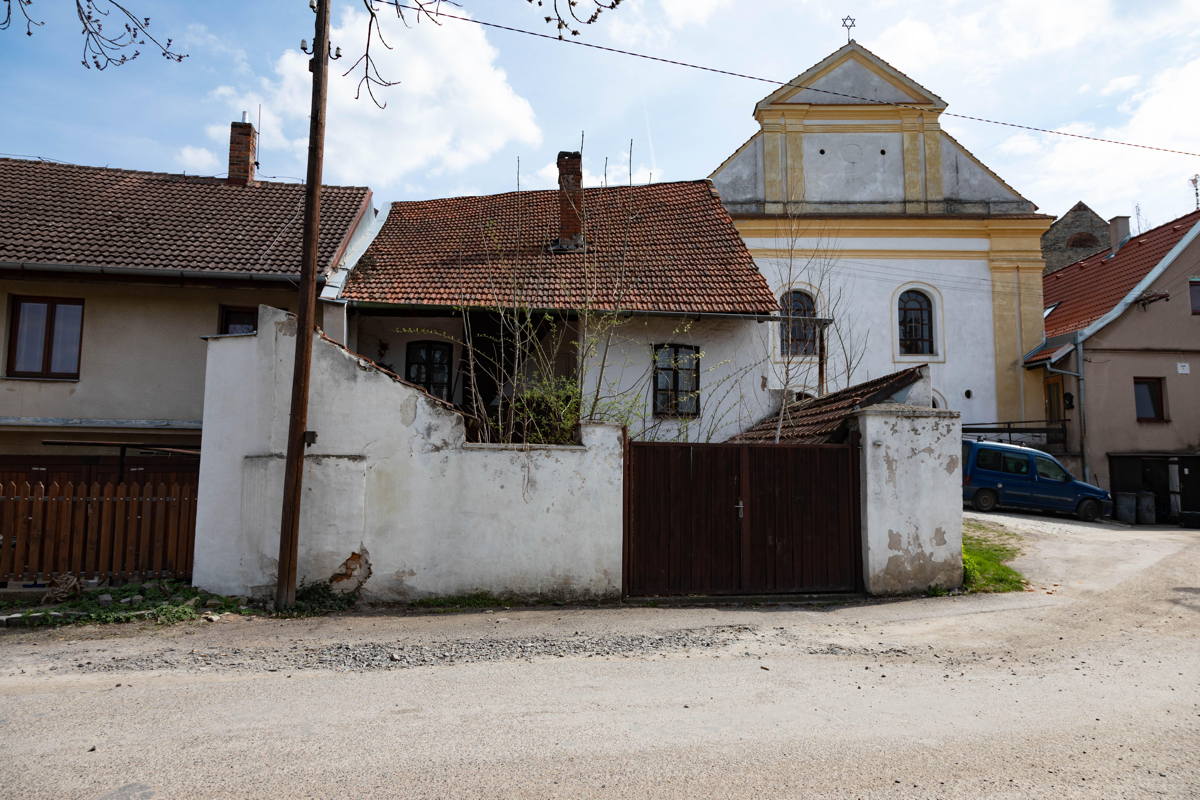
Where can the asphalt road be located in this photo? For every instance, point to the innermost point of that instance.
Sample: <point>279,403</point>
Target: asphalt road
<point>1084,686</point>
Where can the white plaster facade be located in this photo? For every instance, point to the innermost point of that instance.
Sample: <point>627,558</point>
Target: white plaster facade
<point>860,293</point>
<point>856,194</point>
<point>392,478</point>
<point>618,372</point>
<point>911,505</point>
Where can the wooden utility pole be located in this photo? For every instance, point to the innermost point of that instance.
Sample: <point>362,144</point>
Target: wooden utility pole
<point>293,475</point>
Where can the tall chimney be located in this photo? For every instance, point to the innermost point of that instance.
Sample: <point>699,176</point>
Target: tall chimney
<point>570,203</point>
<point>242,152</point>
<point>1118,233</point>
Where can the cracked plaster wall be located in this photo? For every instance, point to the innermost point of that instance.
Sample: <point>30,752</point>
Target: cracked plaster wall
<point>392,478</point>
<point>911,498</point>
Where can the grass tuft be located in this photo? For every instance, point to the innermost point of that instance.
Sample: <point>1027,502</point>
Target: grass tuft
<point>986,550</point>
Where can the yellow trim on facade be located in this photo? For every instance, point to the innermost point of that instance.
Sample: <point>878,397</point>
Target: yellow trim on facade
<point>837,252</point>
<point>1021,234</point>
<point>913,96</point>
<point>1015,263</point>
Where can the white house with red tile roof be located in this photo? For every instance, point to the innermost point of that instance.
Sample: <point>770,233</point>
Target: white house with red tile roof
<point>645,295</point>
<point>1120,363</point>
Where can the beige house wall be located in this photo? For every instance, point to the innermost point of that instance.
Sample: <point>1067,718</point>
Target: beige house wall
<point>1159,340</point>
<point>141,366</point>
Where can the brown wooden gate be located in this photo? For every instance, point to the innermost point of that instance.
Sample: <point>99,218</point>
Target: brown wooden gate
<point>712,519</point>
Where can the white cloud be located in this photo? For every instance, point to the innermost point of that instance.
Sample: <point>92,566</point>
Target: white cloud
<point>1121,84</point>
<point>1055,172</point>
<point>452,109</point>
<point>198,38</point>
<point>199,160</point>
<point>690,12</point>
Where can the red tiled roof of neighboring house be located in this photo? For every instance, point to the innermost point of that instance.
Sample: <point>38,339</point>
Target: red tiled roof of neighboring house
<point>663,247</point>
<point>822,419</point>
<point>97,217</point>
<point>1043,353</point>
<point>1092,286</point>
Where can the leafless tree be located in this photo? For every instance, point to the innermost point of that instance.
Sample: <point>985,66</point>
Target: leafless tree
<point>114,35</point>
<point>821,346</point>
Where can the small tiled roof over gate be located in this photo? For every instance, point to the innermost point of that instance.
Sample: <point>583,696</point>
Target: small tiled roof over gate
<point>665,247</point>
<point>54,214</point>
<point>818,420</point>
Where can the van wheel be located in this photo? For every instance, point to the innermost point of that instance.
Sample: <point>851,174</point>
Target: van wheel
<point>1088,511</point>
<point>984,500</point>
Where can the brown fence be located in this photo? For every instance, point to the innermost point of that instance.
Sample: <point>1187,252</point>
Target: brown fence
<point>122,530</point>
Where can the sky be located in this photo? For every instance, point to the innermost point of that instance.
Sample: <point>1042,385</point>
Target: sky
<point>480,110</point>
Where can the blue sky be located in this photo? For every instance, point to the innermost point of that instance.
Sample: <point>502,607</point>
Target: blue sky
<point>473,102</point>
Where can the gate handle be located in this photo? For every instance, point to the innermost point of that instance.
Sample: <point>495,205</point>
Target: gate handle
<point>739,508</point>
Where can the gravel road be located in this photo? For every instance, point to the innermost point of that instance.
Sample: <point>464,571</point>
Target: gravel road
<point>1084,686</point>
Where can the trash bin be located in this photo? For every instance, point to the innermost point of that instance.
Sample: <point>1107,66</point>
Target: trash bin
<point>1146,508</point>
<point>1127,508</point>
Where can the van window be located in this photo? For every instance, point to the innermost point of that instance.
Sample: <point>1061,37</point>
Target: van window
<point>1050,471</point>
<point>988,459</point>
<point>1016,463</point>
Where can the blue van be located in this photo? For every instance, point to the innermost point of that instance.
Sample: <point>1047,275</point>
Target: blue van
<point>996,474</point>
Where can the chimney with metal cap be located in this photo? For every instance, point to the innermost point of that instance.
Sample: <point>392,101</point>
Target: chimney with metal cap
<point>1118,233</point>
<point>570,204</point>
<point>242,152</point>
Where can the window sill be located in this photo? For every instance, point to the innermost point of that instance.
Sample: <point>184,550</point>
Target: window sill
<point>39,380</point>
<point>927,358</point>
<point>683,417</point>
<point>1154,421</point>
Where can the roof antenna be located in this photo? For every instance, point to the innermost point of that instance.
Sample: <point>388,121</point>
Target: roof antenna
<point>848,23</point>
<point>1195,181</point>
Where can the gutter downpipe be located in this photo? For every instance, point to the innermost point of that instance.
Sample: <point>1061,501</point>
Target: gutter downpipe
<point>1079,380</point>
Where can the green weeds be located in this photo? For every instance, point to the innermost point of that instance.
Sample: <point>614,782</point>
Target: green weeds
<point>986,550</point>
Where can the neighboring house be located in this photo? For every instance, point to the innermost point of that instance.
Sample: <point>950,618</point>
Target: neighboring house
<point>109,280</point>
<point>1077,234</point>
<point>860,209</point>
<point>1121,363</point>
<point>643,297</point>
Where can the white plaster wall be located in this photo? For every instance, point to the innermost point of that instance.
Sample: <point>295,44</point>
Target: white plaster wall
<point>853,168</point>
<point>911,498</point>
<point>734,381</point>
<point>860,294</point>
<point>391,477</point>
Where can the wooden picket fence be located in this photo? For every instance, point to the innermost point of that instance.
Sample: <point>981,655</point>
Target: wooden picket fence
<point>118,531</point>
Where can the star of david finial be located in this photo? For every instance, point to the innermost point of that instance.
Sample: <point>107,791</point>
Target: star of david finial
<point>847,23</point>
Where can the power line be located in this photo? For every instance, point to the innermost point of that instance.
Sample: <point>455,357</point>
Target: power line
<point>772,81</point>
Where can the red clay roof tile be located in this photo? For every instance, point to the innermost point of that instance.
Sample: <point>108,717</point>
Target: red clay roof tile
<point>53,213</point>
<point>818,420</point>
<point>668,247</point>
<point>1092,286</point>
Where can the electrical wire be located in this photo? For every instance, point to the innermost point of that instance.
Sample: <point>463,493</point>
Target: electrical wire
<point>772,81</point>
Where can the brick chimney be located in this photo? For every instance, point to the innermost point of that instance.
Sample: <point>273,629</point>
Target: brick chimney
<point>242,152</point>
<point>1118,233</point>
<point>570,204</point>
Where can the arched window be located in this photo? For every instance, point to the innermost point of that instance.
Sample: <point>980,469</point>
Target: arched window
<point>916,323</point>
<point>798,337</point>
<point>1083,239</point>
